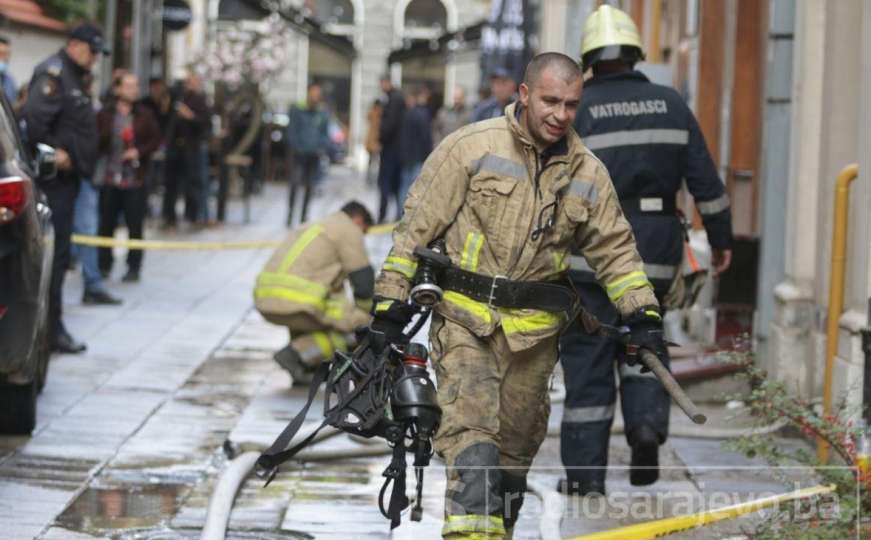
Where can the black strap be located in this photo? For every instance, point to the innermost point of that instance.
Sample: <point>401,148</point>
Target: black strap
<point>395,472</point>
<point>278,453</point>
<point>646,206</point>
<point>417,511</point>
<point>506,293</point>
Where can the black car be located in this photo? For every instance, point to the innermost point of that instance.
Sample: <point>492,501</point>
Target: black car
<point>26,250</point>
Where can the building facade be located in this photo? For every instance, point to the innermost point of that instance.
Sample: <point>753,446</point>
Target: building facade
<point>372,27</point>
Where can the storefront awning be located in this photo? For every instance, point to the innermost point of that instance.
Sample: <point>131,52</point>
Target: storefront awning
<point>449,42</point>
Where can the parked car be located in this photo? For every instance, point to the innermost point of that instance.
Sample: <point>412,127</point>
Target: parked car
<point>26,250</point>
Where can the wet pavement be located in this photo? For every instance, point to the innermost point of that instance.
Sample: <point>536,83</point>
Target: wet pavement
<point>130,436</point>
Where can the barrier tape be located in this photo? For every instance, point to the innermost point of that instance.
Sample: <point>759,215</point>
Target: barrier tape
<point>105,241</point>
<point>667,526</point>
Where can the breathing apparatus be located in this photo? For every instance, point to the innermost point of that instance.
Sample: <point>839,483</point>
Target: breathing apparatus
<point>386,394</point>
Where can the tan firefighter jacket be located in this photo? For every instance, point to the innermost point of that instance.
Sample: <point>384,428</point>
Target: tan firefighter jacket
<point>307,271</point>
<point>485,190</point>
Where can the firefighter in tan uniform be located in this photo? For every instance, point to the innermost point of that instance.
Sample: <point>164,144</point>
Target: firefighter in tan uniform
<point>302,288</point>
<point>510,197</point>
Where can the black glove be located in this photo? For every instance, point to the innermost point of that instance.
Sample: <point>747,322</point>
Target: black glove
<point>645,332</point>
<point>389,318</point>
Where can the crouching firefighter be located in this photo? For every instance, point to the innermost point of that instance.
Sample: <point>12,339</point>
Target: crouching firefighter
<point>302,288</point>
<point>510,197</point>
<point>650,142</point>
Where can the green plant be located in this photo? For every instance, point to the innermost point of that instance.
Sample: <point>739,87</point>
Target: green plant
<point>72,11</point>
<point>770,402</point>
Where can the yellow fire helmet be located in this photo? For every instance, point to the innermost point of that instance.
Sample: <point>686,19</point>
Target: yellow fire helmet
<point>610,34</point>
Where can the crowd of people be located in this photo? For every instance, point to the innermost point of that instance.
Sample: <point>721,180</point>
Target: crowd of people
<point>111,155</point>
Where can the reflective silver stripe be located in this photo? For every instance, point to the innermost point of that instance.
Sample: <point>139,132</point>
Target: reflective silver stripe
<point>578,262</point>
<point>585,189</point>
<point>311,354</point>
<point>660,271</point>
<point>639,136</point>
<point>499,165</point>
<point>588,414</point>
<point>719,204</point>
<point>634,371</point>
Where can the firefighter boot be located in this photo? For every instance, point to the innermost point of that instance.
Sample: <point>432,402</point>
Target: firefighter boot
<point>289,359</point>
<point>644,467</point>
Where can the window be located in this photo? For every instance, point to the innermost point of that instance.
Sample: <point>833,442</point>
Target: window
<point>424,19</point>
<point>332,12</point>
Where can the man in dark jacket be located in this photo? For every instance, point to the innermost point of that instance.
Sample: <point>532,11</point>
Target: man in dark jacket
<point>307,139</point>
<point>502,89</point>
<point>188,131</point>
<point>416,141</point>
<point>59,112</point>
<point>389,135</point>
<point>128,135</point>
<point>650,142</point>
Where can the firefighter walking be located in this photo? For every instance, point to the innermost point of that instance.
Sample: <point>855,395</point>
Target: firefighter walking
<point>510,196</point>
<point>650,143</point>
<point>302,287</point>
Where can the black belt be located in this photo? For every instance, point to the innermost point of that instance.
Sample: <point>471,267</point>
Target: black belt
<point>649,206</point>
<point>499,291</point>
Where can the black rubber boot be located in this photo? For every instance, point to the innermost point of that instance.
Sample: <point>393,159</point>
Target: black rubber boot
<point>581,488</point>
<point>644,467</point>
<point>290,360</point>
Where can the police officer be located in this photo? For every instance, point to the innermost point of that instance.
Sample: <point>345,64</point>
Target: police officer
<point>509,196</point>
<point>502,89</point>
<point>59,113</point>
<point>650,142</point>
<point>302,287</point>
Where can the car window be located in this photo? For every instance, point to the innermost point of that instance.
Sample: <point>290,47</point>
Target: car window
<point>9,144</point>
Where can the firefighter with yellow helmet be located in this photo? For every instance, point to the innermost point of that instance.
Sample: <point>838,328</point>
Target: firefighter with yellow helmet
<point>510,197</point>
<point>302,287</point>
<point>650,142</point>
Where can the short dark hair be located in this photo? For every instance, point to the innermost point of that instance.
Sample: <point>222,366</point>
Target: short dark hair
<point>155,80</point>
<point>356,209</point>
<point>564,66</point>
<point>4,40</point>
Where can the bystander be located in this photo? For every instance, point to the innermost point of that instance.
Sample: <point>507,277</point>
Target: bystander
<point>307,140</point>
<point>128,135</point>
<point>416,138</point>
<point>187,133</point>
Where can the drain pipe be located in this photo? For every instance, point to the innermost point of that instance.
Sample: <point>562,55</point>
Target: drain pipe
<point>836,289</point>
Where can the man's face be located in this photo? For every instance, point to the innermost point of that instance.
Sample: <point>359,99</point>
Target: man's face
<point>459,96</point>
<point>386,86</point>
<point>550,106</point>
<point>80,52</point>
<point>128,90</point>
<point>314,95</point>
<point>156,89</point>
<point>360,222</point>
<point>4,52</point>
<point>193,83</point>
<point>502,88</point>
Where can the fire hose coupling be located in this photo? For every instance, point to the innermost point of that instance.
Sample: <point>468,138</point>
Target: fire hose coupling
<point>432,260</point>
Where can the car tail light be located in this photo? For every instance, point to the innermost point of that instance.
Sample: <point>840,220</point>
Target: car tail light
<point>14,197</point>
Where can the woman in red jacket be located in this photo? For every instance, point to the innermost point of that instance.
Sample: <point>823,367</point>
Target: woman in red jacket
<point>128,135</point>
